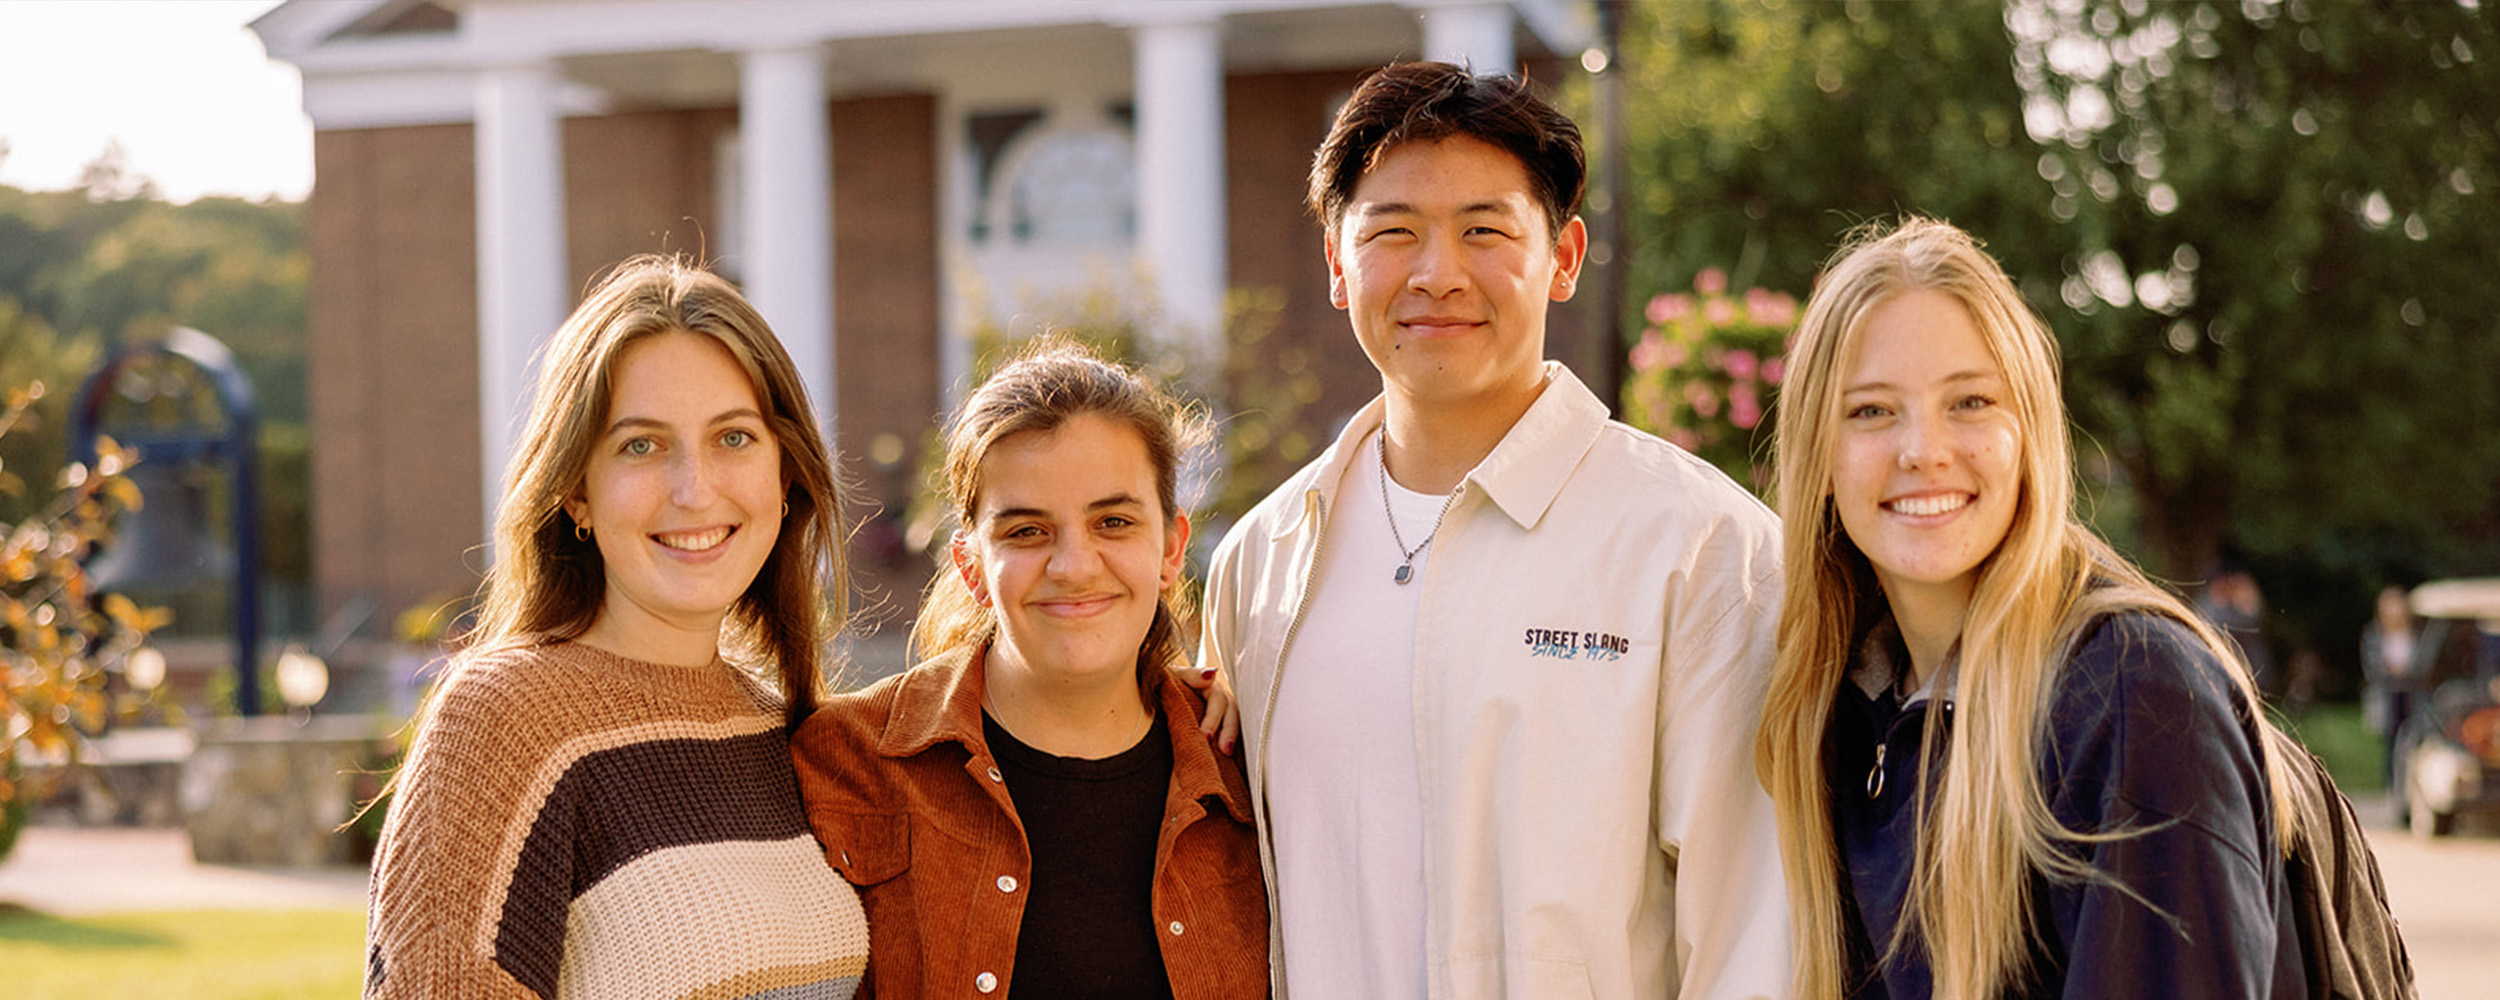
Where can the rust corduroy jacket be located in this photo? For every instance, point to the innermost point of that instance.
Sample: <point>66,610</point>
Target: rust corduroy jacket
<point>903,793</point>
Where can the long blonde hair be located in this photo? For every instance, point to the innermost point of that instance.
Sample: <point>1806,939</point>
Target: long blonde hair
<point>1047,383</point>
<point>2048,580</point>
<point>546,583</point>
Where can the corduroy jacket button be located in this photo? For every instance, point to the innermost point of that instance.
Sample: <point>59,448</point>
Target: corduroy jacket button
<point>985,982</point>
<point>1176,928</point>
<point>994,775</point>
<point>1006,883</point>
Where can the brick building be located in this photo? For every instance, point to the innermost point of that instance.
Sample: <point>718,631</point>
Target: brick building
<point>884,177</point>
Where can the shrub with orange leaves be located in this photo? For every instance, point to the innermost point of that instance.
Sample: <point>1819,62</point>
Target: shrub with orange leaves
<point>57,638</point>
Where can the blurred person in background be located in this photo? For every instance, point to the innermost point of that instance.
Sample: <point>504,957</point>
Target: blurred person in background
<point>2394,681</point>
<point>2234,603</point>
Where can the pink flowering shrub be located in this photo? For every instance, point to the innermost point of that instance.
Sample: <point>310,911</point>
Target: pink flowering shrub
<point>1706,369</point>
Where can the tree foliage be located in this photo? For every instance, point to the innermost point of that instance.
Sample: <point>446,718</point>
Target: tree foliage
<point>57,638</point>
<point>2277,223</point>
<point>1761,133</point>
<point>86,269</point>
<point>2262,231</point>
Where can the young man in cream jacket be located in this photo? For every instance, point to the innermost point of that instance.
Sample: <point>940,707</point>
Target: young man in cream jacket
<point>1498,660</point>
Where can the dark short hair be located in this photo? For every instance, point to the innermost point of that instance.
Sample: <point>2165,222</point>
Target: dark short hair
<point>1428,101</point>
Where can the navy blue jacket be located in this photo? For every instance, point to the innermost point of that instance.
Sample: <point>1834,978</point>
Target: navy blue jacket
<point>2146,732</point>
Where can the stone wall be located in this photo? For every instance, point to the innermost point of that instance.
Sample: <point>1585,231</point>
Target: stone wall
<point>274,791</point>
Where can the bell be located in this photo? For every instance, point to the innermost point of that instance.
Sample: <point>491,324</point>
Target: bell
<point>167,543</point>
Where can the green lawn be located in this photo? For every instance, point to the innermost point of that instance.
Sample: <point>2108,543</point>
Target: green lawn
<point>2354,755</point>
<point>197,955</point>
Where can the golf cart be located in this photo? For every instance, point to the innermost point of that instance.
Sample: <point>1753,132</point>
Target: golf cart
<point>2448,755</point>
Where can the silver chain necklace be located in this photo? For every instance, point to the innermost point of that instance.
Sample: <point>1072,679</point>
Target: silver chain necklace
<point>1406,556</point>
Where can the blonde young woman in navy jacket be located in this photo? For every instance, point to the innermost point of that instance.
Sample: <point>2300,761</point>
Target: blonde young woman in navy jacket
<point>2006,764</point>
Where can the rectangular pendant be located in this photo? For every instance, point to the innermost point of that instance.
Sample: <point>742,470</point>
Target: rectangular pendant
<point>1405,573</point>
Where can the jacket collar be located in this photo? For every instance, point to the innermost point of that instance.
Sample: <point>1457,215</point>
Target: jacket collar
<point>939,701</point>
<point>1332,463</point>
<point>1528,469</point>
<point>1524,472</point>
<point>1883,664</point>
<point>936,701</point>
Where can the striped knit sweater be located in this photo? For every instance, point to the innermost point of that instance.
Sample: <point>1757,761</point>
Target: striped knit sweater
<point>571,823</point>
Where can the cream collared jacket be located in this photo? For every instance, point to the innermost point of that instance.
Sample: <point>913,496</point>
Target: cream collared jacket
<point>1590,658</point>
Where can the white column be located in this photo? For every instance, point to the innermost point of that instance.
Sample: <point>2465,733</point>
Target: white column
<point>521,285</point>
<point>787,170</point>
<point>1471,33</point>
<point>959,201</point>
<point>1180,174</point>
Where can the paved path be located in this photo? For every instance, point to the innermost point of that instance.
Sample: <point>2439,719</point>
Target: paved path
<point>68,871</point>
<point>2446,892</point>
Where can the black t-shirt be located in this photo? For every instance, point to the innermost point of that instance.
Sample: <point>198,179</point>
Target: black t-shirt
<point>1089,928</point>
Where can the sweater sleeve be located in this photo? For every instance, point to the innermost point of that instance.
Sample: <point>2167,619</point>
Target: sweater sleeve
<point>452,914</point>
<point>2149,745</point>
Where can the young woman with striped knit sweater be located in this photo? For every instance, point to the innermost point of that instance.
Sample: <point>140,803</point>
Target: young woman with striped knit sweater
<point>599,801</point>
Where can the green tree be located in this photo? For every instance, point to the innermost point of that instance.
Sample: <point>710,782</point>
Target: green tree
<point>84,269</point>
<point>2277,228</point>
<point>1763,132</point>
<point>133,268</point>
<point>2261,230</point>
<point>33,353</point>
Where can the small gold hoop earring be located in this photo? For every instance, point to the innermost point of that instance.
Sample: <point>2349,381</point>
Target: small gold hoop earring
<point>785,508</point>
<point>581,532</point>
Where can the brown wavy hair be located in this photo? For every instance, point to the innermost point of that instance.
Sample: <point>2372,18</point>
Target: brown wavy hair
<point>546,584</point>
<point>1048,382</point>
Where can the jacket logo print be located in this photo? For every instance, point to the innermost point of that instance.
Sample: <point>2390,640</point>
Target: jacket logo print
<point>1570,644</point>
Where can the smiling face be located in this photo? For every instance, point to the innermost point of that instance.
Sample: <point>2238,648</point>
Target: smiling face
<point>1444,263</point>
<point>1926,464</point>
<point>1070,548</point>
<point>683,493</point>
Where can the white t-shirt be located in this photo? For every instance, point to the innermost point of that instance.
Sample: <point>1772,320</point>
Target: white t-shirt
<point>1345,798</point>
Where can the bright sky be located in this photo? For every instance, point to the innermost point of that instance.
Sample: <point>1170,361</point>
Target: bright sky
<point>182,84</point>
